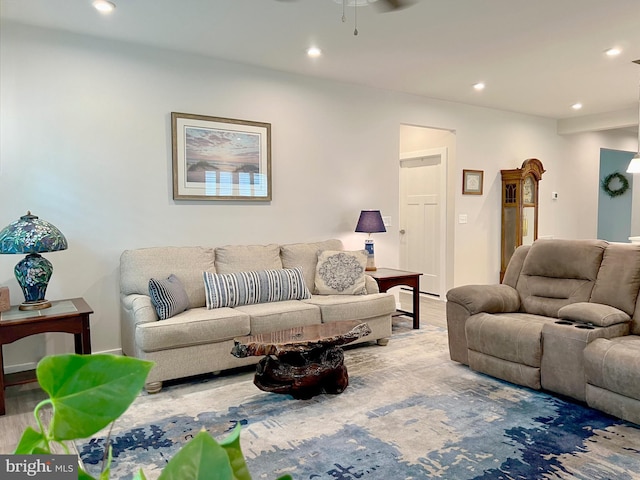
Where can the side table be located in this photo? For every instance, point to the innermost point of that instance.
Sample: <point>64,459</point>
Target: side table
<point>67,316</point>
<point>390,277</point>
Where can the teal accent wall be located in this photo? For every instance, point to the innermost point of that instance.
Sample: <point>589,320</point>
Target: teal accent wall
<point>614,214</point>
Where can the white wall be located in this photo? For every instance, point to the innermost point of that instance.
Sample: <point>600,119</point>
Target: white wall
<point>575,213</point>
<point>86,145</point>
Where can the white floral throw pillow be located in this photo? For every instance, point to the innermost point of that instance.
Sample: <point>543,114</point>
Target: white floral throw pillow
<point>341,273</point>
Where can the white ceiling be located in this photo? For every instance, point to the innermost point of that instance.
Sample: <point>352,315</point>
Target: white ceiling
<point>536,56</point>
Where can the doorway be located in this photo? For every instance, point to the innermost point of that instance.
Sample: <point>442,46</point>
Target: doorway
<point>423,186</point>
<point>615,213</point>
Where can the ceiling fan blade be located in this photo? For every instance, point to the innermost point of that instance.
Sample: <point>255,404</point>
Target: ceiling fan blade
<point>392,5</point>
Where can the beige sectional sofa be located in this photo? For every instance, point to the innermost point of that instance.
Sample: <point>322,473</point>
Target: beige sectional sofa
<point>566,319</point>
<point>199,340</point>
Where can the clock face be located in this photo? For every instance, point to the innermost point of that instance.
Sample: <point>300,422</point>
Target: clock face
<point>528,190</point>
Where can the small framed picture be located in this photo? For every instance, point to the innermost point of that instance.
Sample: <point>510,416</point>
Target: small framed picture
<point>472,182</point>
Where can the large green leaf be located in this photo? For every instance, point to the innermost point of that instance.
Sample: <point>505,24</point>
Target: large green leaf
<point>232,445</point>
<point>82,475</point>
<point>200,459</point>
<point>31,442</point>
<point>139,475</point>
<point>89,391</point>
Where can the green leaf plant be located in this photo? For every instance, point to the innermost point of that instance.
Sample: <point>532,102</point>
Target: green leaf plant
<point>89,392</point>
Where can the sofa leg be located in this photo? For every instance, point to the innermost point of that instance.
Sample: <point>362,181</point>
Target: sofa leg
<point>153,387</point>
<point>383,341</point>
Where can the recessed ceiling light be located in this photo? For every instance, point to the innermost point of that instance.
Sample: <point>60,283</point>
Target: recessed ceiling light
<point>479,86</point>
<point>104,6</point>
<point>576,106</point>
<point>612,52</point>
<point>314,52</point>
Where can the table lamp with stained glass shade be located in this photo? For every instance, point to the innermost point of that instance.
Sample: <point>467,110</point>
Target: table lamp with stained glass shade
<point>32,236</point>
<point>370,221</point>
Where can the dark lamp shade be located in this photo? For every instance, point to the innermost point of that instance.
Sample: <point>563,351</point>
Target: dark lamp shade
<point>29,234</point>
<point>370,221</point>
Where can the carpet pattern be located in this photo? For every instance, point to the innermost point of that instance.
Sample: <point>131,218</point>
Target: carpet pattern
<point>409,413</point>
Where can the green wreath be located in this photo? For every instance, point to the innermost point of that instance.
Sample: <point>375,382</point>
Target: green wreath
<point>624,184</point>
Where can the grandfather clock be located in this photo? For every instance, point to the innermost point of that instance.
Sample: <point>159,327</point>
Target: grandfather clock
<point>519,208</point>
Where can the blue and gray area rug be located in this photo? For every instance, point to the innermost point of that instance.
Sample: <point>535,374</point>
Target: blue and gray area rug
<point>408,413</point>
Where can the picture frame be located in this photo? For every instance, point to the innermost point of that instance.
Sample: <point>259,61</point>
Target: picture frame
<point>472,182</point>
<point>221,159</point>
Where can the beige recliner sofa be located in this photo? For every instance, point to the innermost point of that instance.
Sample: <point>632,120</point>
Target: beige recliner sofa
<point>199,340</point>
<point>564,319</point>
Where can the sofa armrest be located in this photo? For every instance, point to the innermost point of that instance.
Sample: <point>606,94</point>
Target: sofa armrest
<point>135,309</point>
<point>370,285</point>
<point>139,309</point>
<point>485,298</point>
<point>593,313</point>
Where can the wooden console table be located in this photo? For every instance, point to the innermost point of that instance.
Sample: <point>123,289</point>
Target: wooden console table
<point>67,316</point>
<point>390,277</point>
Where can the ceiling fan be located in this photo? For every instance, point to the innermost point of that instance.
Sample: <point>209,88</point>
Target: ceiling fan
<point>391,5</point>
<point>383,5</point>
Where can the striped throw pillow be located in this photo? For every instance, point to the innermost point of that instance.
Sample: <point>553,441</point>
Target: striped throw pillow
<point>168,296</point>
<point>261,286</point>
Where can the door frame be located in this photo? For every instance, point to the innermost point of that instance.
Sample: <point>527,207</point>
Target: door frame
<point>443,154</point>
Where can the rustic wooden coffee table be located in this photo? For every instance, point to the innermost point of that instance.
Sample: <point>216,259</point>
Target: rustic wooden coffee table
<point>302,361</point>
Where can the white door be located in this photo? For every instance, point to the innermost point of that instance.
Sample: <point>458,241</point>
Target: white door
<point>422,217</point>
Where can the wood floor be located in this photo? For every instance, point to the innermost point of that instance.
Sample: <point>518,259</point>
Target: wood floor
<point>22,399</point>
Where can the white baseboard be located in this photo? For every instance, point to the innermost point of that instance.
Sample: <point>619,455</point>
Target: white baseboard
<point>22,367</point>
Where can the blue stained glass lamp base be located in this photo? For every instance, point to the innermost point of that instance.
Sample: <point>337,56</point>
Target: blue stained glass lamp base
<point>33,273</point>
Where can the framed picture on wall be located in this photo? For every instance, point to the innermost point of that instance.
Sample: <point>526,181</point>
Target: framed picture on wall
<point>472,182</point>
<point>218,158</point>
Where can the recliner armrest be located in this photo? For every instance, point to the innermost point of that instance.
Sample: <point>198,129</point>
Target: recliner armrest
<point>593,313</point>
<point>485,298</point>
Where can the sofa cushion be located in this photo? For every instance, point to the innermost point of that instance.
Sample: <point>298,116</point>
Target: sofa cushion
<point>305,255</point>
<point>246,288</point>
<point>556,273</point>
<point>196,326</point>
<point>594,313</point>
<point>271,317</point>
<point>244,258</point>
<point>618,279</point>
<point>515,337</point>
<point>168,296</point>
<point>187,263</point>
<point>335,308</point>
<point>341,273</point>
